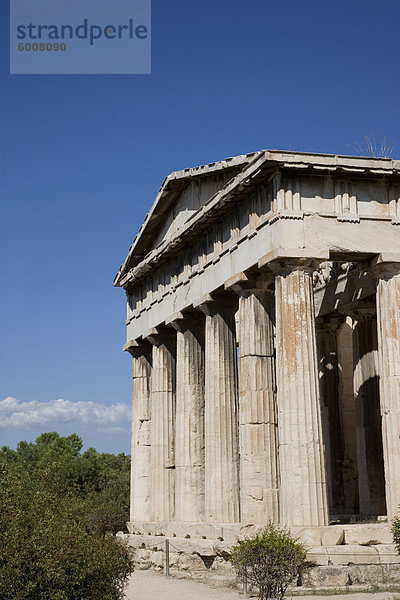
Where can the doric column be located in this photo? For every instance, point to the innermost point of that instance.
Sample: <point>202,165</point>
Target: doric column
<point>221,416</point>
<point>327,331</point>
<point>303,495</point>
<point>371,480</point>
<point>258,435</point>
<point>163,426</point>
<point>141,425</point>
<point>189,444</point>
<point>388,316</point>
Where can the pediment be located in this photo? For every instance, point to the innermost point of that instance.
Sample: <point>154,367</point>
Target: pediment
<point>186,196</point>
<point>193,196</point>
<point>181,195</point>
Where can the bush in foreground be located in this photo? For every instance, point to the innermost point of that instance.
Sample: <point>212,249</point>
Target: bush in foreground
<point>396,533</point>
<point>271,560</point>
<point>49,549</point>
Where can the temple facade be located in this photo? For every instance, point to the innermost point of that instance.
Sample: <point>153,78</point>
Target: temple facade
<point>263,320</point>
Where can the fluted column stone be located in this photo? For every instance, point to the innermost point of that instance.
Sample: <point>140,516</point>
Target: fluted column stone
<point>221,414</point>
<point>388,316</point>
<point>368,419</point>
<point>141,432</point>
<point>189,444</point>
<point>258,435</point>
<point>163,426</point>
<point>303,494</point>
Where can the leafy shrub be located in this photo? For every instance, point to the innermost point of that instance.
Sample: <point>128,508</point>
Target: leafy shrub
<point>396,533</point>
<point>49,548</point>
<point>271,560</point>
<point>102,479</point>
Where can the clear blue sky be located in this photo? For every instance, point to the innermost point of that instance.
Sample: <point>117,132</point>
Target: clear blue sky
<point>82,158</point>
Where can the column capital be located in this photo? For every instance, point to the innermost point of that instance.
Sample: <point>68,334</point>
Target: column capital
<point>159,335</point>
<point>182,321</point>
<point>386,265</point>
<point>244,285</point>
<point>296,258</point>
<point>288,265</point>
<point>285,266</point>
<point>210,304</point>
<point>137,348</point>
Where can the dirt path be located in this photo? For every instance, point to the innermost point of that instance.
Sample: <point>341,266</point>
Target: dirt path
<point>148,585</point>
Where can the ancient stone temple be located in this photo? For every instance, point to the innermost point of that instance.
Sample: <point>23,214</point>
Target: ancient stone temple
<point>263,320</point>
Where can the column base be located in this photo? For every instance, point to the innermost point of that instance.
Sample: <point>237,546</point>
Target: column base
<point>357,555</point>
<point>328,535</point>
<point>171,529</point>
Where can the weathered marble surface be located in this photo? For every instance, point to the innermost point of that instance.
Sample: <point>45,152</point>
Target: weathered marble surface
<point>351,555</point>
<point>303,492</point>
<point>189,444</point>
<point>258,419</point>
<point>388,312</point>
<point>237,420</point>
<point>221,415</point>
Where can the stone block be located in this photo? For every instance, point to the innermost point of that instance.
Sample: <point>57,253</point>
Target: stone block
<point>250,530</point>
<point>231,532</point>
<point>326,577</point>
<point>203,530</point>
<point>356,555</point>
<point>223,567</point>
<point>142,555</point>
<point>158,559</point>
<point>190,546</point>
<point>332,536</point>
<point>319,536</point>
<point>207,560</point>
<point>368,534</point>
<point>135,541</point>
<point>191,563</point>
<point>134,527</point>
<point>366,574</point>
<point>147,528</point>
<point>391,573</point>
<point>174,560</point>
<point>146,541</point>
<point>144,436</point>
<point>175,529</point>
<point>387,554</point>
<point>223,549</point>
<point>318,555</point>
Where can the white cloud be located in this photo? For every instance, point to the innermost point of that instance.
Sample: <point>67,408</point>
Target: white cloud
<point>16,414</point>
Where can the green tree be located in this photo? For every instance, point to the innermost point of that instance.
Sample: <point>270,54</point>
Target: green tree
<point>102,479</point>
<point>110,498</point>
<point>271,561</point>
<point>49,547</point>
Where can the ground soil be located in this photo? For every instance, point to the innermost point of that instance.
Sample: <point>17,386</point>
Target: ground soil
<point>149,585</point>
